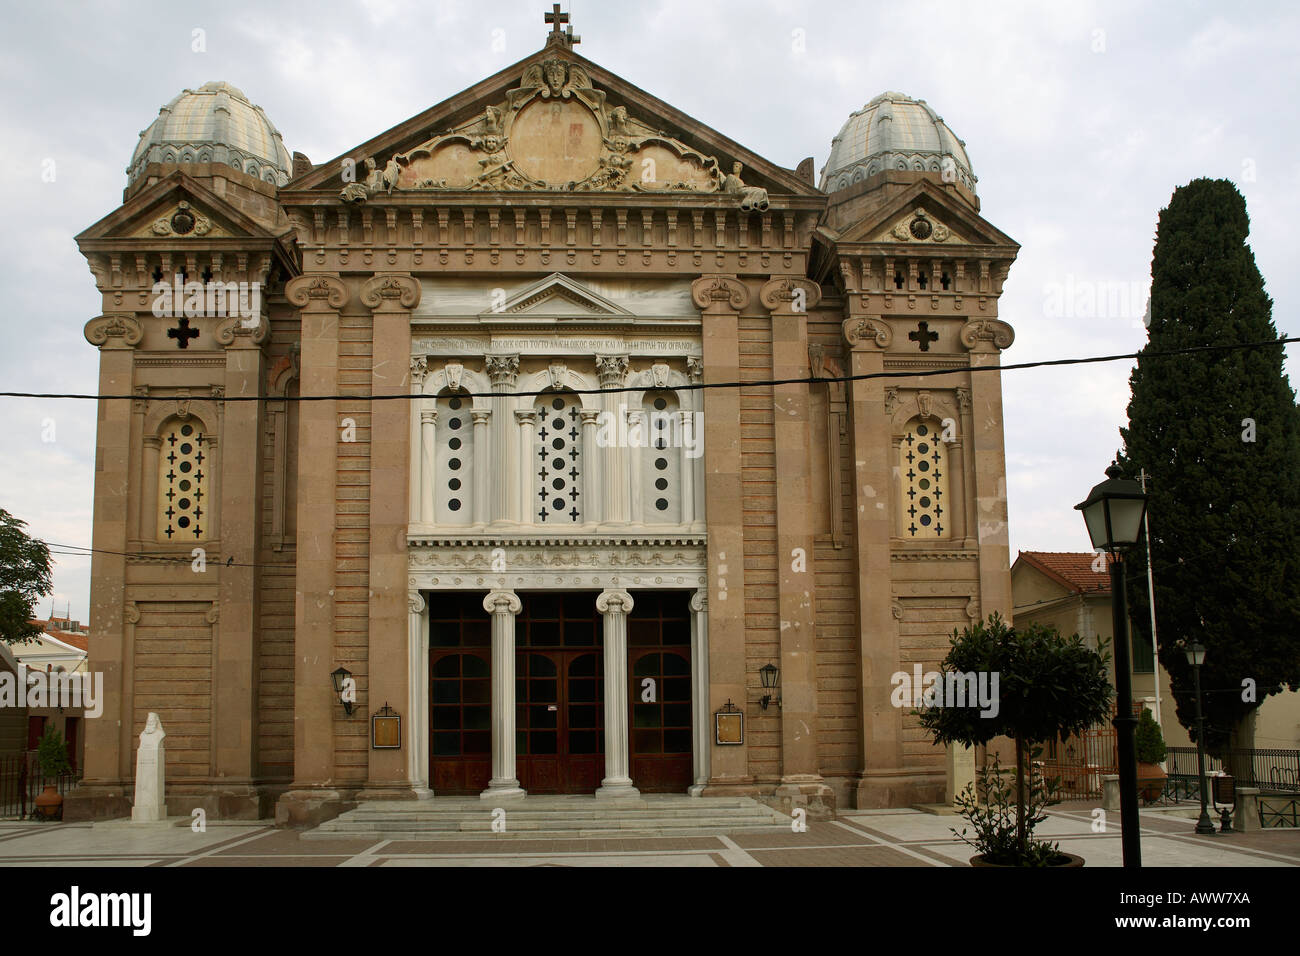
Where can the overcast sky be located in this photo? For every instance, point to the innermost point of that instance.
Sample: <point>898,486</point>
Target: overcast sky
<point>1080,119</point>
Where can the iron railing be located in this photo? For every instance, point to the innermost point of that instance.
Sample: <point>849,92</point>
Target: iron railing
<point>21,781</point>
<point>1271,770</point>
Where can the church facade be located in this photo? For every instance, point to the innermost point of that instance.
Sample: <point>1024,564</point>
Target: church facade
<point>548,442</point>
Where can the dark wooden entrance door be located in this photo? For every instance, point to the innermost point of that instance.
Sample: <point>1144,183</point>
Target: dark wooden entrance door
<point>460,694</point>
<point>659,658</point>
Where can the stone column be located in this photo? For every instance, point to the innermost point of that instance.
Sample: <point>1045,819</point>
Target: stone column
<point>960,503</point>
<point>417,701</point>
<point>686,423</point>
<point>881,782</point>
<point>319,299</point>
<point>789,299</point>
<point>238,525</point>
<point>592,513</point>
<point>612,372</point>
<point>614,607</point>
<point>637,434</point>
<point>390,297</point>
<point>502,370</point>
<point>482,464</point>
<point>701,716</point>
<point>503,606</point>
<point>527,419</point>
<point>109,741</point>
<point>428,472</point>
<point>149,490</point>
<point>721,298</point>
<point>985,338</point>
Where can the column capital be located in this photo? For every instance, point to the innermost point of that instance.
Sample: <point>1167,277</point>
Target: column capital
<point>502,370</point>
<point>502,602</point>
<point>429,416</point>
<point>987,335</point>
<point>868,333</point>
<point>589,416</point>
<point>415,602</point>
<point>714,293</point>
<point>391,292</point>
<point>115,330</point>
<point>700,600</point>
<point>789,295</point>
<point>317,293</point>
<point>611,370</point>
<point>614,602</point>
<point>239,332</point>
<point>526,416</point>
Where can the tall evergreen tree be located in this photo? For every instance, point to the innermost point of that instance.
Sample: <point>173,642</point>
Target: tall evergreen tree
<point>1218,434</point>
<point>25,576</point>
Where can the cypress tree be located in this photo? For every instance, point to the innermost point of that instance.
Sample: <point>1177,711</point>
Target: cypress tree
<point>1218,434</point>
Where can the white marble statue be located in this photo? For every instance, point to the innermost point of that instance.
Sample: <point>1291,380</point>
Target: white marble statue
<point>150,771</point>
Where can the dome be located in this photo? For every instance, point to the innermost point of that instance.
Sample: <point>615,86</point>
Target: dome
<point>214,124</point>
<point>894,131</point>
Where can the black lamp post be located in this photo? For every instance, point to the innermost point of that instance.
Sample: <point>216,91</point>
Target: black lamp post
<point>1196,657</point>
<point>1113,513</point>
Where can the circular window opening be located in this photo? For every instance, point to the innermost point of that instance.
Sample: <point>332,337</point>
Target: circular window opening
<point>187,430</point>
<point>662,504</point>
<point>661,463</point>
<point>661,484</point>
<point>454,484</point>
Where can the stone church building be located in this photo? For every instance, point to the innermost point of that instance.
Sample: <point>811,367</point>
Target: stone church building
<point>596,449</point>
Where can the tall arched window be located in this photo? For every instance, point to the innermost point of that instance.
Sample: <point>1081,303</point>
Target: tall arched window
<point>184,481</point>
<point>923,464</point>
<point>661,464</point>
<point>558,475</point>
<point>453,460</point>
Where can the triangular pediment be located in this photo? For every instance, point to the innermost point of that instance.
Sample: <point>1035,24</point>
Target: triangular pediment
<point>179,208</point>
<point>556,296</point>
<point>925,215</point>
<point>552,122</point>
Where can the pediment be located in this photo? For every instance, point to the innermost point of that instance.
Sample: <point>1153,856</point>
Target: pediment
<point>553,122</point>
<point>556,296</point>
<point>924,215</point>
<point>177,208</point>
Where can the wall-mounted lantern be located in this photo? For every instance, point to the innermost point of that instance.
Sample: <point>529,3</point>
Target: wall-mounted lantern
<point>345,689</point>
<point>770,674</point>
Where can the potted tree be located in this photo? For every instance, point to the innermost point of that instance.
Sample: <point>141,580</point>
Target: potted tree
<point>1151,749</point>
<point>1045,686</point>
<point>52,756</point>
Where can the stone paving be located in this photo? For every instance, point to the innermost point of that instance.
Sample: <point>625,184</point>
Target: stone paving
<point>884,838</point>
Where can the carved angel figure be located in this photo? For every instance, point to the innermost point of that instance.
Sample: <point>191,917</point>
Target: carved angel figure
<point>752,198</point>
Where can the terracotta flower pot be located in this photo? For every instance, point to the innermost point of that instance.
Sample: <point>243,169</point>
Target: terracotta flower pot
<point>1061,860</point>
<point>1151,781</point>
<point>49,803</point>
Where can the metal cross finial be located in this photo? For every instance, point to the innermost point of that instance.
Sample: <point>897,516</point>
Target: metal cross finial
<point>568,36</point>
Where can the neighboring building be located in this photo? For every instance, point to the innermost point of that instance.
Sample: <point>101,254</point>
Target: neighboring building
<point>559,266</point>
<point>60,649</point>
<point>13,720</point>
<point>1064,590</point>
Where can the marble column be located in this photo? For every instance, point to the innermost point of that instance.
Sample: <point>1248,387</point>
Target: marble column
<point>686,421</point>
<point>612,372</point>
<point>503,371</point>
<point>148,530</point>
<point>614,607</point>
<point>428,454</point>
<point>701,718</point>
<point>482,464</point>
<point>417,703</point>
<point>527,419</point>
<point>638,438</point>
<point>503,606</point>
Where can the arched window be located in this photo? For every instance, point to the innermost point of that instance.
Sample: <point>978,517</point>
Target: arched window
<point>923,464</point>
<point>558,476</point>
<point>453,460</point>
<point>184,484</point>
<point>661,464</point>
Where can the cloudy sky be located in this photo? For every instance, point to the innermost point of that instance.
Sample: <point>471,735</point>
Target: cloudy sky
<point>1080,120</point>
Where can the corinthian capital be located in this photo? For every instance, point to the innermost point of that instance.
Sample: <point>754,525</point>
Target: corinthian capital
<point>502,370</point>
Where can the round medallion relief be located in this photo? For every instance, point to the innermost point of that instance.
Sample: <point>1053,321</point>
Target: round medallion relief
<point>920,228</point>
<point>556,141</point>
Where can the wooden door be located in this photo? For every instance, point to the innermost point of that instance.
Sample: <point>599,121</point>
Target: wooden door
<point>460,694</point>
<point>659,661</point>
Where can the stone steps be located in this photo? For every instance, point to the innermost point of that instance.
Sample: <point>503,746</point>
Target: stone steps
<point>553,817</point>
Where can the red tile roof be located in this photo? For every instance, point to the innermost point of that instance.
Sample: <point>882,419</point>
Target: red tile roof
<point>1072,569</point>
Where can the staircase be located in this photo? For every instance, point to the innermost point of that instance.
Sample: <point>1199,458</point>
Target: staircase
<point>570,816</point>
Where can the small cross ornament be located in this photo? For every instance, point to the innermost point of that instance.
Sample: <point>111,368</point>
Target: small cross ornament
<point>923,336</point>
<point>183,333</point>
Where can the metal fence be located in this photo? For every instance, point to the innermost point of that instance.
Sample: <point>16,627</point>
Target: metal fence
<point>1271,770</point>
<point>21,781</point>
<point>1080,763</point>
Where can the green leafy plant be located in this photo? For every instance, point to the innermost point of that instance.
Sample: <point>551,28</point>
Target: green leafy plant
<point>995,818</point>
<point>1048,686</point>
<point>52,753</point>
<point>1150,742</point>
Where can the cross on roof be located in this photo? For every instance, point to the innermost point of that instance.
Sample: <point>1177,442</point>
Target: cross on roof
<point>556,18</point>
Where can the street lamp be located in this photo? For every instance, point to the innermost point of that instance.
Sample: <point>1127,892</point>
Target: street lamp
<point>1196,657</point>
<point>1113,513</point>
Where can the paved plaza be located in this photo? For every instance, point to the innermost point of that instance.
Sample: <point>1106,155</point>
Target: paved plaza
<point>857,838</point>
